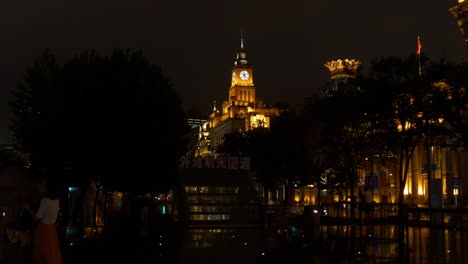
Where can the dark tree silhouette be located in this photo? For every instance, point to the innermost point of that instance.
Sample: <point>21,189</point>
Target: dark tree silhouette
<point>275,152</point>
<point>415,110</point>
<point>116,119</point>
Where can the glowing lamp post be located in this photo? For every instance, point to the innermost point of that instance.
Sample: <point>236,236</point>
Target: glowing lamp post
<point>404,127</point>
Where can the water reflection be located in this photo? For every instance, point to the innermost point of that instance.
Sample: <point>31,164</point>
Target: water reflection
<point>340,244</point>
<point>223,243</point>
<point>438,245</point>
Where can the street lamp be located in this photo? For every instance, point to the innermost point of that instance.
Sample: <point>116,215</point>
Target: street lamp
<point>455,194</point>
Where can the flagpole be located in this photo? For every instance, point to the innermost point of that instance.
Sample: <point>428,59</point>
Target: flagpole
<point>419,62</point>
<point>419,57</point>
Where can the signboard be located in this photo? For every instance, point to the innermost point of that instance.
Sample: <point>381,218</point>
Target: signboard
<point>372,182</point>
<point>220,162</point>
<point>456,183</point>
<point>433,167</point>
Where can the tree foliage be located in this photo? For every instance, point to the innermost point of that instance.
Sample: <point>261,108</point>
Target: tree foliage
<point>416,110</point>
<point>345,135</point>
<point>275,152</point>
<point>114,118</point>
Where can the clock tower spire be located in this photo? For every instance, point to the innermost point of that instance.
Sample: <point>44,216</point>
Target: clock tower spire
<point>241,54</point>
<point>242,39</point>
<point>242,87</point>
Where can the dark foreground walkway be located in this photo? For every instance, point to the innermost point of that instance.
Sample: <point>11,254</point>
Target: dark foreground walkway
<point>210,245</point>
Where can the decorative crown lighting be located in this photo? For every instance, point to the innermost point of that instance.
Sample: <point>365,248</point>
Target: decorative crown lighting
<point>343,68</point>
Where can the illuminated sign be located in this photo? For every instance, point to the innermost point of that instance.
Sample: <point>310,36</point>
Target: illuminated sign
<point>220,162</point>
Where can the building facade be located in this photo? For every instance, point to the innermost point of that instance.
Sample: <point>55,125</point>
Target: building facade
<point>435,174</point>
<point>460,12</point>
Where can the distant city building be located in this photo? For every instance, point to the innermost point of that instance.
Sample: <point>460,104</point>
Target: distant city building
<point>220,195</point>
<point>341,72</point>
<point>198,136</point>
<point>195,122</point>
<point>460,11</point>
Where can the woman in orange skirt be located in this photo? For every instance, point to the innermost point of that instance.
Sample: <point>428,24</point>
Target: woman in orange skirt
<point>46,246</point>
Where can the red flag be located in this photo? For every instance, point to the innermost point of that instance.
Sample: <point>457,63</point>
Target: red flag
<point>418,50</point>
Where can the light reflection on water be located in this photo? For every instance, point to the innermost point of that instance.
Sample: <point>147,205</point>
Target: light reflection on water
<point>438,245</point>
<point>377,243</point>
<point>223,244</point>
<point>221,237</point>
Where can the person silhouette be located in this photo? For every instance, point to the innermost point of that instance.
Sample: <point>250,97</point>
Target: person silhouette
<point>46,246</point>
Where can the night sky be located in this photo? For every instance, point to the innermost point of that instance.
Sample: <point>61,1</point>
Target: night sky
<point>195,41</point>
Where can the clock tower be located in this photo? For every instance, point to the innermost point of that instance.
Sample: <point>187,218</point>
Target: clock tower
<point>242,111</point>
<point>242,88</point>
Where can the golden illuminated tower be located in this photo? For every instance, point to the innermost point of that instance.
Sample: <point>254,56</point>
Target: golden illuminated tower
<point>242,88</point>
<point>460,11</point>
<point>242,111</point>
<point>341,71</point>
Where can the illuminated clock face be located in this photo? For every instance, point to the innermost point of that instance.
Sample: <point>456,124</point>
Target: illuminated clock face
<point>233,76</point>
<point>244,75</point>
